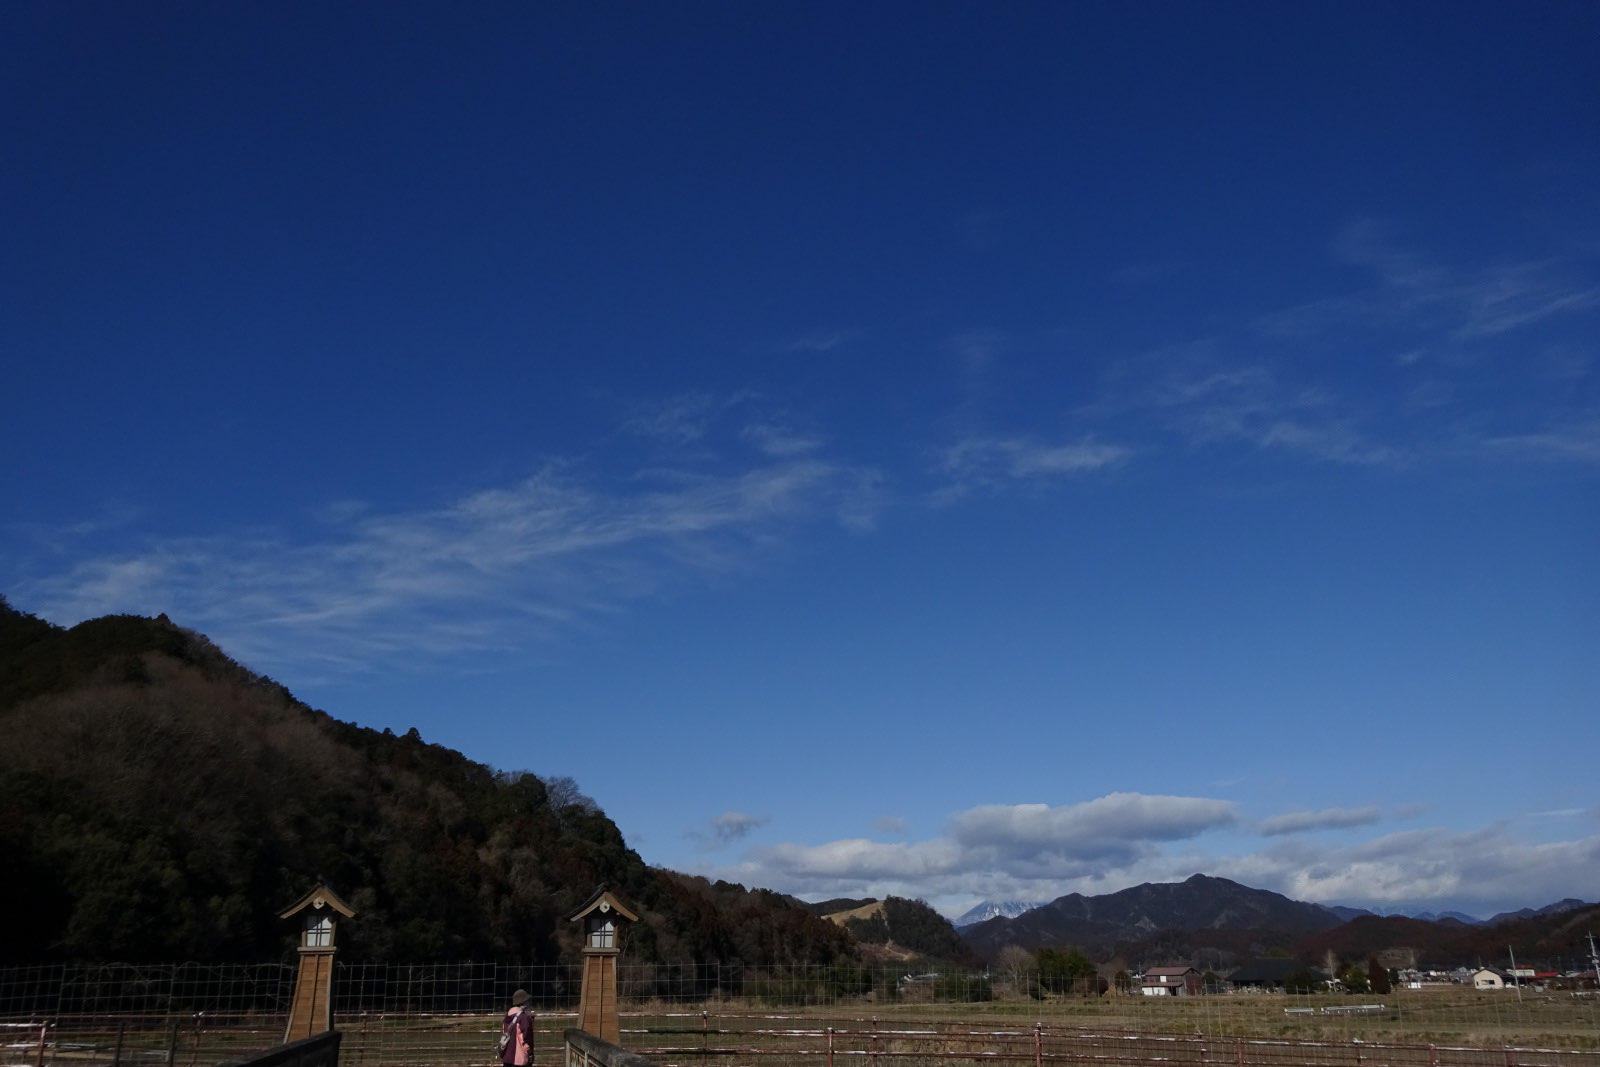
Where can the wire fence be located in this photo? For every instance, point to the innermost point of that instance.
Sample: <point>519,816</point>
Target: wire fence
<point>698,1040</point>
<point>396,1015</point>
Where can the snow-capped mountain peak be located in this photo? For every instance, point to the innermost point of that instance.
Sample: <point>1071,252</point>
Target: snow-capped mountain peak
<point>989,909</point>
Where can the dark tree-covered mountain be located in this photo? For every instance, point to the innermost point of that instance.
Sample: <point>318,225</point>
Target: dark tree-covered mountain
<point>160,802</point>
<point>1141,914</point>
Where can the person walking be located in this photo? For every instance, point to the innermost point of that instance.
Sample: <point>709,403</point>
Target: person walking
<point>516,1033</point>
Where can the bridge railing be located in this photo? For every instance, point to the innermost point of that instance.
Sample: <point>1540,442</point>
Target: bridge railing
<point>318,1050</point>
<point>583,1049</point>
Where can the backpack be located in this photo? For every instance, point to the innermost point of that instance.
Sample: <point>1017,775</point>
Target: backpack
<point>507,1029</point>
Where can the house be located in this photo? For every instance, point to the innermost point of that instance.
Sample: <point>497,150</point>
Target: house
<point>1177,981</point>
<point>1490,978</point>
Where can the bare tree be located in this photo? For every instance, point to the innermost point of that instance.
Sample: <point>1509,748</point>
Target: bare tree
<point>1018,965</point>
<point>564,794</point>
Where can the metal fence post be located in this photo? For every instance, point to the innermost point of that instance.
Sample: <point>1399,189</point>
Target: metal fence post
<point>116,1053</point>
<point>38,1059</point>
<point>830,1046</point>
<point>1038,1045</point>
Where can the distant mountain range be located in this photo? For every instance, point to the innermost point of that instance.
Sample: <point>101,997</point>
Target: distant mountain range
<point>1569,904</point>
<point>992,909</point>
<point>1217,923</point>
<point>1428,916</point>
<point>1143,911</point>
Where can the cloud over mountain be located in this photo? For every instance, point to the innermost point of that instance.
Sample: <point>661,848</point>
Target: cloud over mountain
<point>1040,852</point>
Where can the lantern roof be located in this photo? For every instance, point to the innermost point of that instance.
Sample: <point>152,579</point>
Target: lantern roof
<point>602,900</point>
<point>320,897</point>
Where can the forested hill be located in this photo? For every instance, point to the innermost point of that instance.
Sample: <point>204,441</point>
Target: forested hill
<point>900,927</point>
<point>161,802</point>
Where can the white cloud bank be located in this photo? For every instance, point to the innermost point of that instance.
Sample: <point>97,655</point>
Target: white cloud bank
<point>995,849</point>
<point>1039,852</point>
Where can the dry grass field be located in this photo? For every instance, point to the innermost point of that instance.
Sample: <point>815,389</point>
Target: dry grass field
<point>1443,1026</point>
<point>1444,1013</point>
<point>1224,1029</point>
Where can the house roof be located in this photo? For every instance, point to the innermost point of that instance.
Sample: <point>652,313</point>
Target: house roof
<point>603,900</point>
<point>320,897</point>
<point>1169,971</point>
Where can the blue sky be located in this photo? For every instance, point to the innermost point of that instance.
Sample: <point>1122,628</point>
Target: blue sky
<point>958,450</point>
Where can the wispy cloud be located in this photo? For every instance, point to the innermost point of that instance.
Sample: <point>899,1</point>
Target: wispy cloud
<point>681,419</point>
<point>732,825</point>
<point>489,570</point>
<point>1207,399</point>
<point>977,350</point>
<point>1574,441</point>
<point>726,829</point>
<point>1467,304</point>
<point>820,341</point>
<point>1295,822</point>
<point>991,463</point>
<point>776,439</point>
<point>1420,359</point>
<point>1333,442</point>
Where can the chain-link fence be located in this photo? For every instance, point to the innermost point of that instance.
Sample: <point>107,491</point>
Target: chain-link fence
<point>392,1015</point>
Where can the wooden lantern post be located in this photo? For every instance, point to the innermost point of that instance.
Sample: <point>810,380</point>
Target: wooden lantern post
<point>311,1011</point>
<point>602,916</point>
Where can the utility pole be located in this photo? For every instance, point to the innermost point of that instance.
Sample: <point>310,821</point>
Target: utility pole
<point>1515,981</point>
<point>1594,962</point>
